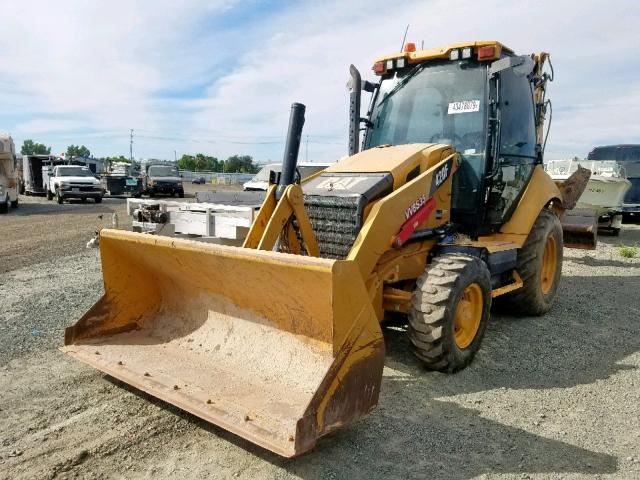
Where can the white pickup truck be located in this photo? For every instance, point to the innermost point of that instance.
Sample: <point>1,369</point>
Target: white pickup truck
<point>73,181</point>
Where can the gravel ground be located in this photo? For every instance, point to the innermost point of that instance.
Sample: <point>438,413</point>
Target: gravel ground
<point>550,397</point>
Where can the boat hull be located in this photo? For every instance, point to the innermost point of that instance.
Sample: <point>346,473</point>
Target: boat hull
<point>604,194</point>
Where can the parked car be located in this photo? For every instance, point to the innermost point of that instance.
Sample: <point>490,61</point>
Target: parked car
<point>162,180</point>
<point>73,181</point>
<point>200,180</point>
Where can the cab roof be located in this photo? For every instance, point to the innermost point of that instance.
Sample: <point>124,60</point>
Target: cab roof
<point>414,56</point>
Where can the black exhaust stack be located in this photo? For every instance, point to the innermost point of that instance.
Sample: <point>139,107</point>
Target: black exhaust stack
<point>291,149</point>
<point>355,94</point>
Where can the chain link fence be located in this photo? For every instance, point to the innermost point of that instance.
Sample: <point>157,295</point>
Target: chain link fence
<point>217,178</point>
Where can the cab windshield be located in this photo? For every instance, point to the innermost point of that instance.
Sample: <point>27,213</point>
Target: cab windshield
<point>163,171</point>
<point>437,103</point>
<point>74,172</point>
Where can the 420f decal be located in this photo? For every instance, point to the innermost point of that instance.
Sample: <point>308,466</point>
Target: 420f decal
<point>440,175</point>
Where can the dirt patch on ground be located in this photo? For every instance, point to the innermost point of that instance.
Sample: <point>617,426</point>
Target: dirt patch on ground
<point>550,397</point>
<point>38,231</point>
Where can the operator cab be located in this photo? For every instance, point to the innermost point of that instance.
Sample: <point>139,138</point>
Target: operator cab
<point>477,97</point>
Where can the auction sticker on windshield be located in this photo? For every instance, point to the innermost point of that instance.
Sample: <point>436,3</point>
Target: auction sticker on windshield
<point>465,106</point>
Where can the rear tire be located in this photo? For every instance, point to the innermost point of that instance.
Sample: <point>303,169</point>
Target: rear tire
<point>14,204</point>
<point>450,311</point>
<point>4,207</point>
<point>539,264</point>
<point>98,199</point>
<point>49,195</point>
<point>59,197</point>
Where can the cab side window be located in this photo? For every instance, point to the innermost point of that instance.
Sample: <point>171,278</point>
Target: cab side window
<point>517,121</point>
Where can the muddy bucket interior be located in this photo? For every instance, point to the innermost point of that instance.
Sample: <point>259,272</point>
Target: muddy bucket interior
<point>279,349</point>
<point>580,228</point>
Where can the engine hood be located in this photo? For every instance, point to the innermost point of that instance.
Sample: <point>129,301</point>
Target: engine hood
<point>85,180</point>
<point>166,179</point>
<point>399,160</point>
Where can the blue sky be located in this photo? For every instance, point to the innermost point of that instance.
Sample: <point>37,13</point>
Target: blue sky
<point>218,76</point>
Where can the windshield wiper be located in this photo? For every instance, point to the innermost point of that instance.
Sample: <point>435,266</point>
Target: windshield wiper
<point>402,82</point>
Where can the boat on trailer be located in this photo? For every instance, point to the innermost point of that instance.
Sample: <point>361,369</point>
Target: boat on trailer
<point>605,190</point>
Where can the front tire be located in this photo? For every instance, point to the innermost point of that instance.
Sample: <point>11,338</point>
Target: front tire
<point>14,204</point>
<point>539,264</point>
<point>4,207</point>
<point>450,311</point>
<point>49,195</point>
<point>98,199</point>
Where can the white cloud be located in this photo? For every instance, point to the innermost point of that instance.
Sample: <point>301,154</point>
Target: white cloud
<point>114,65</point>
<point>306,56</point>
<point>95,64</point>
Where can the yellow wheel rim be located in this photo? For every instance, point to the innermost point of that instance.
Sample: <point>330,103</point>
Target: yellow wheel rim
<point>468,315</point>
<point>549,265</point>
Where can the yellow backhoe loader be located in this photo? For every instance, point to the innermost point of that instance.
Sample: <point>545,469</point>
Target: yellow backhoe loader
<point>445,209</point>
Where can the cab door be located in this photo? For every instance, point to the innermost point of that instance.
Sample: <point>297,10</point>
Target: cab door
<point>517,151</point>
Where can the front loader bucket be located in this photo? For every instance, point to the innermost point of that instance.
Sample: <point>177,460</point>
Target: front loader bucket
<point>580,228</point>
<point>276,348</point>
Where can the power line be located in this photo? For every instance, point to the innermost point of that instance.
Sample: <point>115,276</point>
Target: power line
<point>229,142</point>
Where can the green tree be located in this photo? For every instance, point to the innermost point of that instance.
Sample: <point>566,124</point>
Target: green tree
<point>199,163</point>
<point>78,151</point>
<point>240,164</point>
<point>31,148</point>
<point>206,163</point>
<point>186,162</point>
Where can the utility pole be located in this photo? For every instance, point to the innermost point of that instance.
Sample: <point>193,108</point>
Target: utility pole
<point>175,156</point>
<point>131,145</point>
<point>306,152</point>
